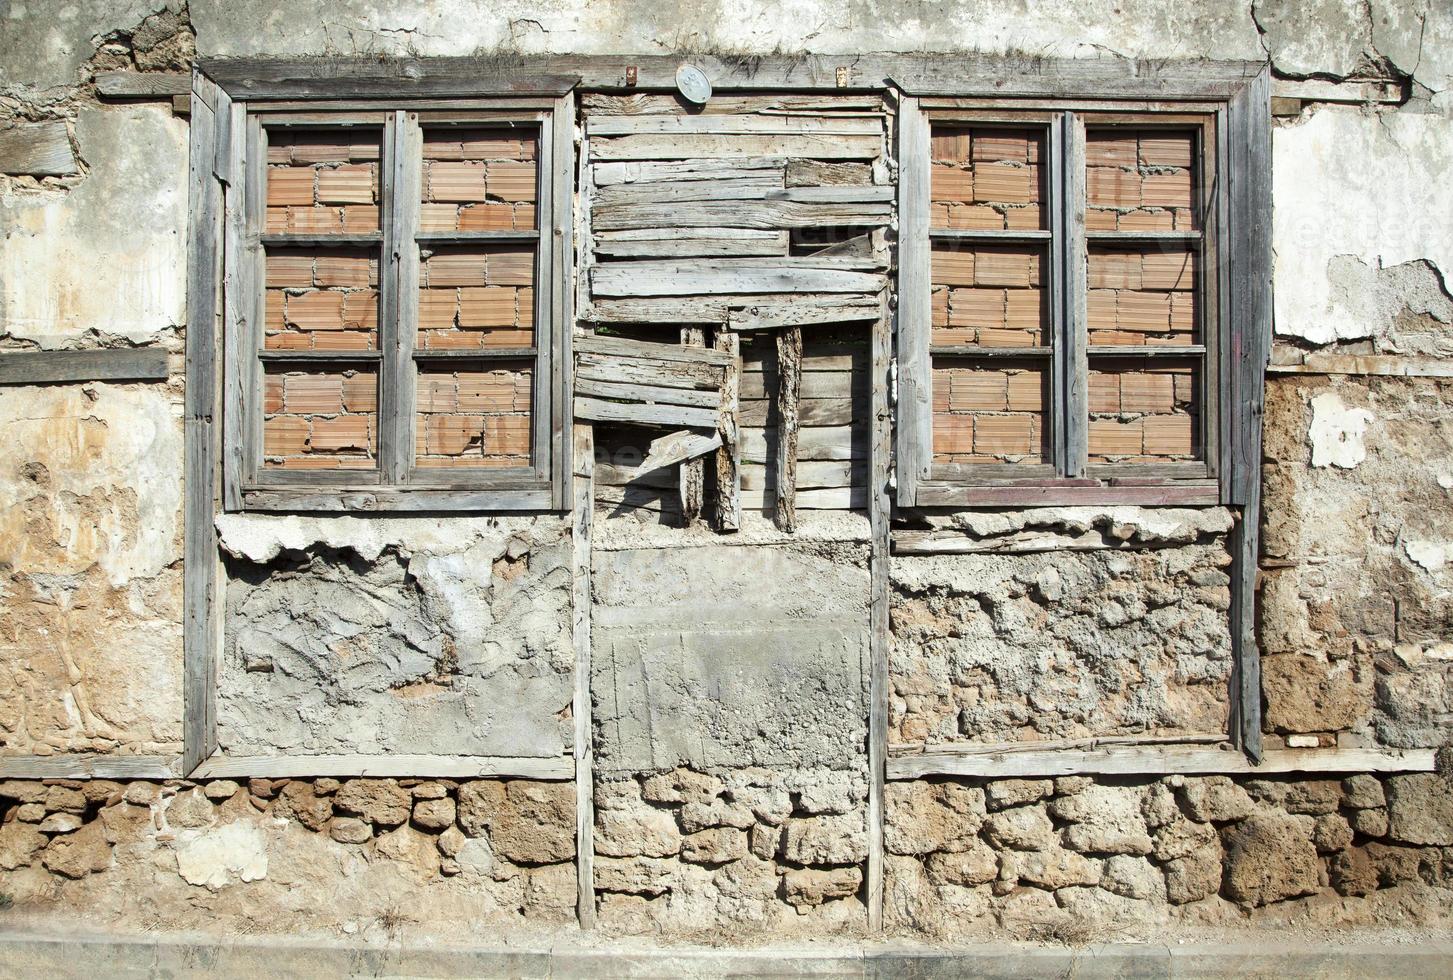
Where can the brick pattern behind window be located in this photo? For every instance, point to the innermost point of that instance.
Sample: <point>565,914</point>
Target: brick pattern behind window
<point>1140,180</point>
<point>477,297</point>
<point>988,296</point>
<point>319,419</point>
<point>986,178</point>
<point>321,183</point>
<point>989,411</point>
<point>478,180</point>
<point>474,414</point>
<point>1142,297</point>
<point>1143,411</point>
<point>323,299</point>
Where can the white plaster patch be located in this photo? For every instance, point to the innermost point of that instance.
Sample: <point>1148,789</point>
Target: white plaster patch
<point>1348,183</point>
<point>262,537</point>
<point>213,859</point>
<point>1431,556</point>
<point>1337,432</point>
<point>110,255</point>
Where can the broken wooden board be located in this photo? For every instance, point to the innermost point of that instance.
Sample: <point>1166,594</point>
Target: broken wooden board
<point>680,243</point>
<point>742,275</point>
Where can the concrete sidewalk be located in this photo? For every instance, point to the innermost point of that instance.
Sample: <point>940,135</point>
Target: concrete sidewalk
<point>27,955</point>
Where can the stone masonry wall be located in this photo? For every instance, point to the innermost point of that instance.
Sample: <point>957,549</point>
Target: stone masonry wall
<point>377,858</point>
<point>1076,858</point>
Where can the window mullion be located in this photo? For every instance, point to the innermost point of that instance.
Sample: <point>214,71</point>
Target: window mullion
<point>1070,333</point>
<point>399,304</point>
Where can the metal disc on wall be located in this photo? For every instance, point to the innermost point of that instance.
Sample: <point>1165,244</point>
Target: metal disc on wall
<point>693,84</point>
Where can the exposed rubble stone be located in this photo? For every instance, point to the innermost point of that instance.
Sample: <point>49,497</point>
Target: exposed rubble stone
<point>78,854</point>
<point>377,801</point>
<point>813,886</point>
<point>1420,809</point>
<point>1270,857</point>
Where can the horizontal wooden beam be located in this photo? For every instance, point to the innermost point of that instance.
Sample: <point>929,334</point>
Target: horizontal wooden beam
<point>384,500</point>
<point>433,766</point>
<point>142,85</point>
<point>1011,761</point>
<point>40,149</point>
<point>1394,365</point>
<point>52,367</point>
<point>89,766</point>
<point>952,495</point>
<point>925,74</point>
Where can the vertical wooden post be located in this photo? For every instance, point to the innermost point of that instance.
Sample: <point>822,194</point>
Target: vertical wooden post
<point>728,514</point>
<point>583,514</point>
<point>693,471</point>
<point>789,393</point>
<point>879,516</point>
<point>211,149</point>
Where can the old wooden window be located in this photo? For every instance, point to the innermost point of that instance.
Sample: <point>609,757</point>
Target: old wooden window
<point>1063,278</point>
<point>393,320</point>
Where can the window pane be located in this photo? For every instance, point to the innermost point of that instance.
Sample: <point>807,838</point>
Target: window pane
<point>989,411</point>
<point>321,299</point>
<point>1144,410</point>
<point>986,178</point>
<point>477,297</point>
<point>319,418</point>
<point>478,180</point>
<point>323,182</point>
<point>989,295</point>
<point>475,413</point>
<point>1142,297</point>
<point>1140,180</point>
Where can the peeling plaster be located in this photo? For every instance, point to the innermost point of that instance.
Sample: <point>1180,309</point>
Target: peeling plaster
<point>1349,183</point>
<point>1336,432</point>
<point>1431,556</point>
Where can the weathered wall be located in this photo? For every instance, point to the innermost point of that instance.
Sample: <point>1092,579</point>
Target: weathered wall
<point>730,709</point>
<point>1074,858</point>
<point>90,582</point>
<point>372,858</point>
<point>1015,648</point>
<point>420,636</point>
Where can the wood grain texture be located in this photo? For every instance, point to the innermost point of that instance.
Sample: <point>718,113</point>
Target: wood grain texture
<point>789,394</point>
<point>727,514</point>
<point>879,626</point>
<point>40,149</point>
<point>383,766</point>
<point>68,366</point>
<point>915,431</point>
<point>89,766</point>
<point>582,517</point>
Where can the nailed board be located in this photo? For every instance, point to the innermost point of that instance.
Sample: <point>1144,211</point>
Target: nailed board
<point>755,216</point>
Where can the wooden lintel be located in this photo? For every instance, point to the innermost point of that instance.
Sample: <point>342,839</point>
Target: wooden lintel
<point>90,766</point>
<point>142,84</point>
<point>1152,760</point>
<point>62,366</point>
<point>423,766</point>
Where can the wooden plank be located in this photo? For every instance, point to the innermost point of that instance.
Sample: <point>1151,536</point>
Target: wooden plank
<point>596,104</point>
<point>955,73</point>
<point>597,410</point>
<point>1130,760</point>
<point>828,442</point>
<point>678,447</point>
<point>727,515</point>
<point>810,475</point>
<point>686,243</point>
<point>941,495</point>
<point>386,500</point>
<point>61,366</point>
<point>621,347</point>
<point>713,310</point>
<point>41,149</point>
<point>1249,125</point>
<point>583,515</point>
<point>749,186</point>
<point>672,146</point>
<point>822,498</point>
<point>614,369</point>
<point>1390,365</point>
<point>773,316</point>
<point>646,394</point>
<point>142,85</point>
<point>692,477</point>
<point>814,173</point>
<point>387,766</point>
<point>771,214</point>
<point>915,318</point>
<point>789,383</point>
<point>200,559</point>
<point>879,517</point>
<point>735,124</point>
<point>729,276</point>
<point>810,411</point>
<point>556,304</point>
<point>1072,402</point>
<point>241,305</point>
<point>399,297</point>
<point>768,169</point>
<point>89,766</point>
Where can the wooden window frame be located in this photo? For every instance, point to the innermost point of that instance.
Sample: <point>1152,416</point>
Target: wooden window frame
<point>1230,323</point>
<point>398,483</point>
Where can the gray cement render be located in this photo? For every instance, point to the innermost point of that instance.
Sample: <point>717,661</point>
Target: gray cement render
<point>730,656</point>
